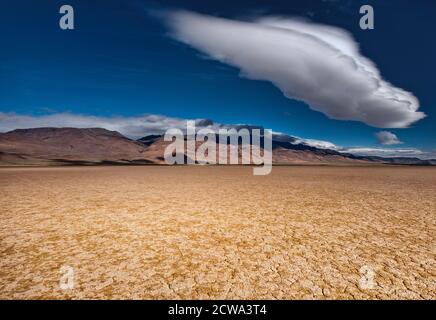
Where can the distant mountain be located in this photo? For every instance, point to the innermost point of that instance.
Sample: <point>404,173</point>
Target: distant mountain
<point>149,140</point>
<point>62,146</point>
<point>396,160</point>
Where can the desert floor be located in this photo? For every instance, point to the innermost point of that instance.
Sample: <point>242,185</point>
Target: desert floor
<point>218,232</point>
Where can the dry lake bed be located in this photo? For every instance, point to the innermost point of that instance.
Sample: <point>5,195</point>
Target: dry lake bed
<point>156,232</point>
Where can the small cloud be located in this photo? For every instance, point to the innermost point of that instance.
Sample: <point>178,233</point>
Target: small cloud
<point>389,152</point>
<point>204,123</point>
<point>387,138</point>
<point>321,144</point>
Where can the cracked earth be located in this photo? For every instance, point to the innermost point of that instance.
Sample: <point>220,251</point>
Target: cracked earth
<point>152,232</point>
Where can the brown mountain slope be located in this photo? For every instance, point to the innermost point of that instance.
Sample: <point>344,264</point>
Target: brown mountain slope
<point>289,156</point>
<point>67,145</point>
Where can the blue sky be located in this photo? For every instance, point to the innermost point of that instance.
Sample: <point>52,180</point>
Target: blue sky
<point>121,61</point>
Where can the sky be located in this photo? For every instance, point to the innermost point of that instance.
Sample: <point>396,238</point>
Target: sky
<point>303,68</point>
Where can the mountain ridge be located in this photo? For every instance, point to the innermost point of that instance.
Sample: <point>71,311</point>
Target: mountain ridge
<point>92,146</point>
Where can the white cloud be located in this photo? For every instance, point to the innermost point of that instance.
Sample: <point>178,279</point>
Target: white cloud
<point>387,138</point>
<point>132,127</point>
<point>321,144</point>
<point>389,152</point>
<point>318,64</point>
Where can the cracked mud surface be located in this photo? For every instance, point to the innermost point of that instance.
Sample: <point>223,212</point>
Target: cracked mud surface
<point>218,232</point>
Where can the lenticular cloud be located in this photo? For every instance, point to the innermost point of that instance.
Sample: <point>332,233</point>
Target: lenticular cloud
<point>318,64</point>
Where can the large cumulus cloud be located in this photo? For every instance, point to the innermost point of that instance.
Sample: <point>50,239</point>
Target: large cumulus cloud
<point>318,64</point>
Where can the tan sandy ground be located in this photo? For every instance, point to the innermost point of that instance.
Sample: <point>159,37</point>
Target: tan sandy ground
<point>218,232</point>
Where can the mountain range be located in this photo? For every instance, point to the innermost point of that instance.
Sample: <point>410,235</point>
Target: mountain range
<point>92,146</point>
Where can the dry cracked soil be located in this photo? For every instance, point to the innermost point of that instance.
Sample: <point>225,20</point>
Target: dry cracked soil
<point>199,232</point>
